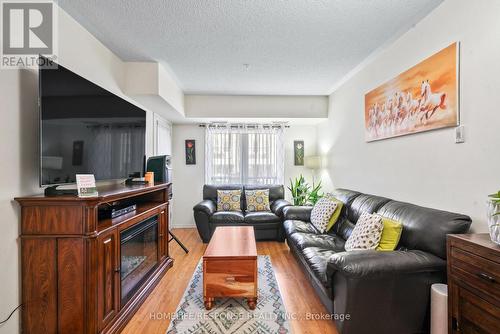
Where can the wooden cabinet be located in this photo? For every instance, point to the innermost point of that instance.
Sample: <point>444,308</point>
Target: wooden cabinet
<point>108,278</point>
<point>473,284</point>
<point>71,259</point>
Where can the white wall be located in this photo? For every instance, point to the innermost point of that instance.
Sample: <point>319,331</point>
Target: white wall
<point>307,133</point>
<point>152,86</point>
<point>426,168</point>
<point>18,176</point>
<point>188,180</point>
<point>256,106</point>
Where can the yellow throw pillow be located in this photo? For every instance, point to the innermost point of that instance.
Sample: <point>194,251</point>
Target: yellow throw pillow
<point>390,234</point>
<point>336,214</point>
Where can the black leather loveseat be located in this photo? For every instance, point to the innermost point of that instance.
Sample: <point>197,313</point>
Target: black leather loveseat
<point>382,292</point>
<point>267,225</point>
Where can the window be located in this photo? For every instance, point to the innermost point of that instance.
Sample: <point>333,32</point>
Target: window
<point>246,154</point>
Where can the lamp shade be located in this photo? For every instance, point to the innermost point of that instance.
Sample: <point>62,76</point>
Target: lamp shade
<point>312,162</point>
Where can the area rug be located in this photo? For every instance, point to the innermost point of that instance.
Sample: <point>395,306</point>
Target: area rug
<point>232,315</point>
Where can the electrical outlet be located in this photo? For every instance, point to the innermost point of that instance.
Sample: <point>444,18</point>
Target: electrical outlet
<point>459,134</point>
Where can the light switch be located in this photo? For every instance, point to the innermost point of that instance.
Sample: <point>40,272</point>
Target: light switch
<point>459,134</point>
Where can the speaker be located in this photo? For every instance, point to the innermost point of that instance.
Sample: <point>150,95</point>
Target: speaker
<point>158,165</point>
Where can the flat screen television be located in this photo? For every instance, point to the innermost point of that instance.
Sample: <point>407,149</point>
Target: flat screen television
<point>85,129</point>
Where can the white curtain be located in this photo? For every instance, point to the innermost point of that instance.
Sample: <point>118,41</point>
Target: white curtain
<point>244,153</point>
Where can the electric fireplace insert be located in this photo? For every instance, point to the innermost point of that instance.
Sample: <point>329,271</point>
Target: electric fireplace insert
<point>139,256</point>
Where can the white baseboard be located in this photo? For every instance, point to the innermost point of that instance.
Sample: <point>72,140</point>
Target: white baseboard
<point>183,226</point>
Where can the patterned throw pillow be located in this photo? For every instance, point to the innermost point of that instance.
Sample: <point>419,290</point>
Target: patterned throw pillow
<point>336,214</point>
<point>322,212</point>
<point>257,200</point>
<point>366,234</point>
<point>228,200</point>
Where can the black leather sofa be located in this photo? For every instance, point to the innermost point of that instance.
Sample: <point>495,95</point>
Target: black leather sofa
<point>382,292</point>
<point>267,225</point>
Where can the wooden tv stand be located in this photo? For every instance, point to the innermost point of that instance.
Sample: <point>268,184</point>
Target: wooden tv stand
<point>71,277</point>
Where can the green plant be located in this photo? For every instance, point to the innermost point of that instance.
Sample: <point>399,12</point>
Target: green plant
<point>300,190</point>
<point>303,193</point>
<point>495,198</point>
<point>314,194</point>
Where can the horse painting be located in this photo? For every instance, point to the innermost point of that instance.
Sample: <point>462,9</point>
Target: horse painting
<point>431,102</point>
<point>424,97</point>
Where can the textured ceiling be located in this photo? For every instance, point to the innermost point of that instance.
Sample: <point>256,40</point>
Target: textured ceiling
<point>291,46</point>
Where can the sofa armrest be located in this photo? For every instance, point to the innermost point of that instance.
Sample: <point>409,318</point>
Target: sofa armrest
<point>278,206</point>
<point>376,264</point>
<point>364,281</point>
<point>205,206</point>
<point>202,213</point>
<point>298,213</point>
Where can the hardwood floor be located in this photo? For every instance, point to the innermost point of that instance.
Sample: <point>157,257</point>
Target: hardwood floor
<point>298,295</point>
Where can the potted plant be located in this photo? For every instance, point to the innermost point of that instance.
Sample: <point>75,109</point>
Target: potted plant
<point>302,193</point>
<point>299,189</point>
<point>494,217</point>
<point>314,194</point>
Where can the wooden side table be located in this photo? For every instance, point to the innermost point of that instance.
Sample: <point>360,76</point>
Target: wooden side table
<point>473,284</point>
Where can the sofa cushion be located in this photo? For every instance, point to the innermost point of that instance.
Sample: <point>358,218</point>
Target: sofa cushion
<point>293,226</point>
<point>261,217</point>
<point>317,259</point>
<point>328,241</point>
<point>275,191</point>
<point>344,228</point>
<point>210,190</point>
<point>229,217</point>
<point>345,195</point>
<point>364,203</point>
<point>425,228</point>
<point>278,206</point>
<point>297,213</point>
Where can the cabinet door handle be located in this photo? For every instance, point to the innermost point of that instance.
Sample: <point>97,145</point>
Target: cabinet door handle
<point>486,277</point>
<point>230,279</point>
<point>117,270</point>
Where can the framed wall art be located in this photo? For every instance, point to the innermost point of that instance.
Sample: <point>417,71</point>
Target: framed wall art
<point>424,97</point>
<point>190,146</point>
<point>298,152</point>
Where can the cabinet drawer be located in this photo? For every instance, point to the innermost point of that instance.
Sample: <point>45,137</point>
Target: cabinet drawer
<point>476,313</point>
<point>230,278</point>
<point>476,271</point>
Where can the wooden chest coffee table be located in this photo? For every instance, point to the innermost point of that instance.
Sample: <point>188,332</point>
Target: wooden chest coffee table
<point>230,265</point>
